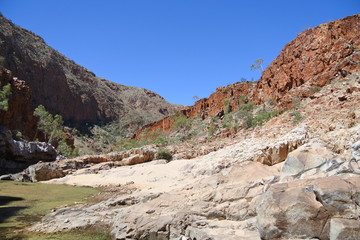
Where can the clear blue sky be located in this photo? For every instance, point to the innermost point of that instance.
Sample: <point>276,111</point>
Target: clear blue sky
<point>177,48</point>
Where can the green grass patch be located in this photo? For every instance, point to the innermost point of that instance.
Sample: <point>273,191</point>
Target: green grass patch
<point>23,203</point>
<point>87,234</point>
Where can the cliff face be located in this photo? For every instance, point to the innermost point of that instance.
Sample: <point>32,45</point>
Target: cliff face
<point>70,90</point>
<point>20,113</point>
<point>316,57</point>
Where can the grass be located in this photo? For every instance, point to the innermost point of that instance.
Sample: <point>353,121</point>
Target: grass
<point>88,234</point>
<point>22,204</point>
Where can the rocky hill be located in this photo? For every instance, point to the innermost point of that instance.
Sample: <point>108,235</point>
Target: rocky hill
<point>315,58</point>
<point>293,176</point>
<point>69,89</point>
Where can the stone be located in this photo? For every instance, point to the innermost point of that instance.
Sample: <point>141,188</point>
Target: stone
<point>44,171</point>
<point>344,229</point>
<point>32,151</point>
<point>303,208</point>
<point>309,156</point>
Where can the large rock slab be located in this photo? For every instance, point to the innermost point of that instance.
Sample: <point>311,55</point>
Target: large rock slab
<point>304,208</point>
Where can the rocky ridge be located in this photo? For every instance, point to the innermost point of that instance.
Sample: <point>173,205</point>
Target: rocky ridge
<point>281,180</point>
<point>316,57</point>
<point>57,83</point>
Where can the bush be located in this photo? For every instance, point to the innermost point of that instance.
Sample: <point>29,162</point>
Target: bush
<point>262,117</point>
<point>297,116</point>
<point>5,92</point>
<point>53,129</point>
<point>227,107</point>
<point>243,99</point>
<point>164,154</point>
<point>161,141</point>
<point>246,108</point>
<point>227,121</point>
<point>181,121</point>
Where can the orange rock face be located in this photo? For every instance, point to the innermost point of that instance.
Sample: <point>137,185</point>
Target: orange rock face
<point>317,56</point>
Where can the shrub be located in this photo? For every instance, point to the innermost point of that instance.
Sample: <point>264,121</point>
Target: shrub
<point>164,154</point>
<point>2,61</point>
<point>53,129</point>
<point>262,117</point>
<point>297,116</point>
<point>212,129</point>
<point>247,122</point>
<point>243,98</point>
<point>245,110</point>
<point>182,122</point>
<point>314,89</point>
<point>227,107</point>
<point>161,141</point>
<point>5,92</point>
<point>227,121</point>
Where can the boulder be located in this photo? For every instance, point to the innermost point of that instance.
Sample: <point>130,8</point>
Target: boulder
<point>344,229</point>
<point>32,151</point>
<point>305,158</point>
<point>44,171</point>
<point>304,208</point>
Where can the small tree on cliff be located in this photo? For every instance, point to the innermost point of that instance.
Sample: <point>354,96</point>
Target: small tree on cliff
<point>52,127</point>
<point>258,65</point>
<point>5,92</point>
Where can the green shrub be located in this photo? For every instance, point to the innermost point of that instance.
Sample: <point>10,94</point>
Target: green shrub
<point>212,129</point>
<point>227,121</point>
<point>164,154</point>
<point>227,107</point>
<point>5,93</point>
<point>161,141</point>
<point>2,61</point>
<point>53,129</point>
<point>297,116</point>
<point>247,122</point>
<point>245,110</point>
<point>243,99</point>
<point>181,121</point>
<point>262,117</point>
<point>314,89</point>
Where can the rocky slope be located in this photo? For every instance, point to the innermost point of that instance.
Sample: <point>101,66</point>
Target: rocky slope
<point>316,57</point>
<point>69,89</point>
<point>280,180</point>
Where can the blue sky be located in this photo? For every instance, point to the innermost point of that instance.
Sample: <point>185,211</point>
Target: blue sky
<point>177,48</point>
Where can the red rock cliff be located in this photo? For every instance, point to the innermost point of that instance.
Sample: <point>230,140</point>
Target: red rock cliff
<point>327,52</point>
<point>318,55</point>
<point>20,112</point>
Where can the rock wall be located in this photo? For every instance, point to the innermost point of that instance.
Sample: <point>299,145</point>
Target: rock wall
<point>69,89</point>
<point>316,57</point>
<point>20,113</point>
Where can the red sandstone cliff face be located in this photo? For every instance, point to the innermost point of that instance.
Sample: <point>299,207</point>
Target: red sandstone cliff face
<point>20,113</point>
<point>325,53</point>
<point>70,90</point>
<point>318,55</point>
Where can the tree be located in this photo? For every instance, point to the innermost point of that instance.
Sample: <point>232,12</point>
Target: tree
<point>52,127</point>
<point>258,64</point>
<point>5,92</point>
<point>195,98</point>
